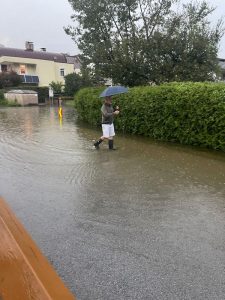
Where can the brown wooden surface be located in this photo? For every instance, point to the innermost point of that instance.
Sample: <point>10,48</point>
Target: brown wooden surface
<point>24,272</point>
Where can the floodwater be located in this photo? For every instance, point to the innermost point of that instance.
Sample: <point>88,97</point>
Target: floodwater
<point>144,222</point>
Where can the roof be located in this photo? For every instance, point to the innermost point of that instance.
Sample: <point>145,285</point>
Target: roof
<point>13,52</point>
<point>21,92</point>
<point>74,60</point>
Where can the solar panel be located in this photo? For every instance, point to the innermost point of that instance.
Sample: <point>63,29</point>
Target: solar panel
<point>35,79</point>
<point>22,78</point>
<point>29,78</point>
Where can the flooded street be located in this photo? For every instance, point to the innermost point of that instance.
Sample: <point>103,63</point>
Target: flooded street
<point>145,222</point>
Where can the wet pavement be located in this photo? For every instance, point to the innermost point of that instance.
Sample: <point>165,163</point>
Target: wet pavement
<point>144,222</point>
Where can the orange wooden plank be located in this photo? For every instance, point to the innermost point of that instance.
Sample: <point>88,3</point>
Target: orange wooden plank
<point>24,272</point>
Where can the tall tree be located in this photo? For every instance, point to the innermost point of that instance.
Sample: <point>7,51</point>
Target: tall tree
<point>138,41</point>
<point>74,82</point>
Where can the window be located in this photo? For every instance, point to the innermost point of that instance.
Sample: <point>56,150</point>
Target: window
<point>22,69</point>
<point>4,68</point>
<point>62,72</point>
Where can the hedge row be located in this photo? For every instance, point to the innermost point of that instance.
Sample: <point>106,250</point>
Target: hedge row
<point>2,97</point>
<point>188,113</point>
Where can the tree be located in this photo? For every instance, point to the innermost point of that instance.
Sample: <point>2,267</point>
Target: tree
<point>138,41</point>
<point>74,82</point>
<point>9,79</point>
<point>57,87</point>
<point>189,50</point>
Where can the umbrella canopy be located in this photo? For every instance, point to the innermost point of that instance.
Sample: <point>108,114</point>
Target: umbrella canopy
<point>114,90</point>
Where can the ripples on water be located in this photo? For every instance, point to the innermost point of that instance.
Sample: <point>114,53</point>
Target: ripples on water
<point>38,150</point>
<point>34,138</point>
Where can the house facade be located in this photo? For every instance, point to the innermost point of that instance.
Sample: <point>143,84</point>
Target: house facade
<point>36,67</point>
<point>222,66</point>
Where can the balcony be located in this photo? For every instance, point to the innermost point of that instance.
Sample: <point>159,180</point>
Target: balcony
<point>30,79</point>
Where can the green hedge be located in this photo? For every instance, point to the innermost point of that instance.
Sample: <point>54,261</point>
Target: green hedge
<point>188,113</point>
<point>2,97</point>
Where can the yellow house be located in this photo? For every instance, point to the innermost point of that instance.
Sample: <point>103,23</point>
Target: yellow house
<point>36,67</point>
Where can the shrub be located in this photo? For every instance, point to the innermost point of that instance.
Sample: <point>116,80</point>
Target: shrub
<point>88,103</point>
<point>4,102</point>
<point>67,98</point>
<point>43,93</point>
<point>8,79</point>
<point>57,87</point>
<point>2,97</point>
<point>188,113</point>
<point>74,82</point>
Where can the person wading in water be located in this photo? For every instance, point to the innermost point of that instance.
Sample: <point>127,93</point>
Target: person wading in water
<point>108,114</point>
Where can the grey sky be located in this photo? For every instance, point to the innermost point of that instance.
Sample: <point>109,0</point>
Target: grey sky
<point>42,21</point>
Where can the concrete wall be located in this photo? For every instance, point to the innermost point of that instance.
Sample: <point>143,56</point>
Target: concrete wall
<point>22,99</point>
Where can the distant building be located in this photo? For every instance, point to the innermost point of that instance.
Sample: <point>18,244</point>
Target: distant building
<point>222,66</point>
<point>75,60</point>
<point>37,67</point>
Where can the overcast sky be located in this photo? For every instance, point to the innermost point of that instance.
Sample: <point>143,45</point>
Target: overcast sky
<point>42,21</point>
